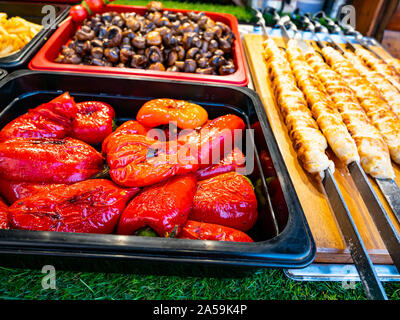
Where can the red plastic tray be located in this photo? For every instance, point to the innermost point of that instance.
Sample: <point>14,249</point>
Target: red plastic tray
<point>44,59</point>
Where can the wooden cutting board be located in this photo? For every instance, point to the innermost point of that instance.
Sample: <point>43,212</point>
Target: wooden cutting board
<point>321,219</point>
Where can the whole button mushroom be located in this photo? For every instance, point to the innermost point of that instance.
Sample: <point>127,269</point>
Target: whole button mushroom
<point>113,36</point>
<point>138,61</point>
<point>139,42</point>
<point>153,38</point>
<point>97,52</point>
<point>112,54</point>
<point>154,6</point>
<point>85,33</point>
<point>189,66</point>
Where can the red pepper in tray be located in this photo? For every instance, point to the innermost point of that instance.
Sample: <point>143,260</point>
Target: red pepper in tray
<point>3,215</point>
<point>231,162</point>
<point>157,112</point>
<point>164,207</point>
<point>137,161</point>
<point>15,190</point>
<point>208,231</point>
<point>227,199</point>
<point>93,121</point>
<point>49,120</point>
<point>48,160</point>
<point>128,127</point>
<point>214,140</point>
<point>91,206</point>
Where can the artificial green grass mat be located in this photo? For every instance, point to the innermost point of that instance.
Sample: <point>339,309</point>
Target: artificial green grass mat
<point>265,284</point>
<point>241,13</point>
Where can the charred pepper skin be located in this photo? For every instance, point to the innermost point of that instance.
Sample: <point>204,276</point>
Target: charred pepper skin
<point>207,231</point>
<point>138,161</point>
<point>228,200</point>
<point>158,112</point>
<point>47,160</point>
<point>128,127</point>
<point>16,190</point>
<point>93,122</point>
<point>91,206</point>
<point>214,140</point>
<point>232,161</point>
<point>164,207</point>
<point>3,215</point>
<point>49,120</point>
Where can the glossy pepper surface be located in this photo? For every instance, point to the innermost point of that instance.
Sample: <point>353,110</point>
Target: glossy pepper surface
<point>16,190</point>
<point>3,215</point>
<point>209,231</point>
<point>158,112</point>
<point>214,140</point>
<point>128,127</point>
<point>164,207</point>
<point>137,161</point>
<point>231,162</point>
<point>227,199</point>
<point>47,160</point>
<point>91,206</point>
<point>49,120</point>
<point>93,121</point>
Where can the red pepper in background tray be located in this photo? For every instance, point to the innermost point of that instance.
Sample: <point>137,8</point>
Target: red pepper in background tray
<point>3,215</point>
<point>49,120</point>
<point>157,112</point>
<point>208,231</point>
<point>137,161</point>
<point>231,162</point>
<point>93,121</point>
<point>128,127</point>
<point>48,160</point>
<point>227,199</point>
<point>91,206</point>
<point>164,207</point>
<point>15,190</point>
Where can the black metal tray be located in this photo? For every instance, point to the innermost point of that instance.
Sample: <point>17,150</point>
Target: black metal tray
<point>33,13</point>
<point>290,246</point>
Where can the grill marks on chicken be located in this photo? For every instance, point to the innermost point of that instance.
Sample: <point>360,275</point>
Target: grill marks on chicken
<point>323,109</point>
<point>308,141</point>
<point>380,66</point>
<point>387,90</point>
<point>376,108</point>
<point>373,151</point>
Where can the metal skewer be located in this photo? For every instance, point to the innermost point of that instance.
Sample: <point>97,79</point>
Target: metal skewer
<point>389,187</point>
<point>371,283</point>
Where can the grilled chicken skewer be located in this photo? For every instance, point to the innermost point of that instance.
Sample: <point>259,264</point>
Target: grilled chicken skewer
<point>388,91</point>
<point>322,107</point>
<point>308,141</point>
<point>372,149</point>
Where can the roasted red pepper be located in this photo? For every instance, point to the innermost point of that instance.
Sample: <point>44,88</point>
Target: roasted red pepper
<point>3,215</point>
<point>93,122</point>
<point>208,231</point>
<point>16,190</point>
<point>128,127</point>
<point>227,199</point>
<point>214,140</point>
<point>48,160</point>
<point>137,161</point>
<point>267,164</point>
<point>91,206</point>
<point>49,120</point>
<point>157,112</point>
<point>232,161</point>
<point>164,207</point>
